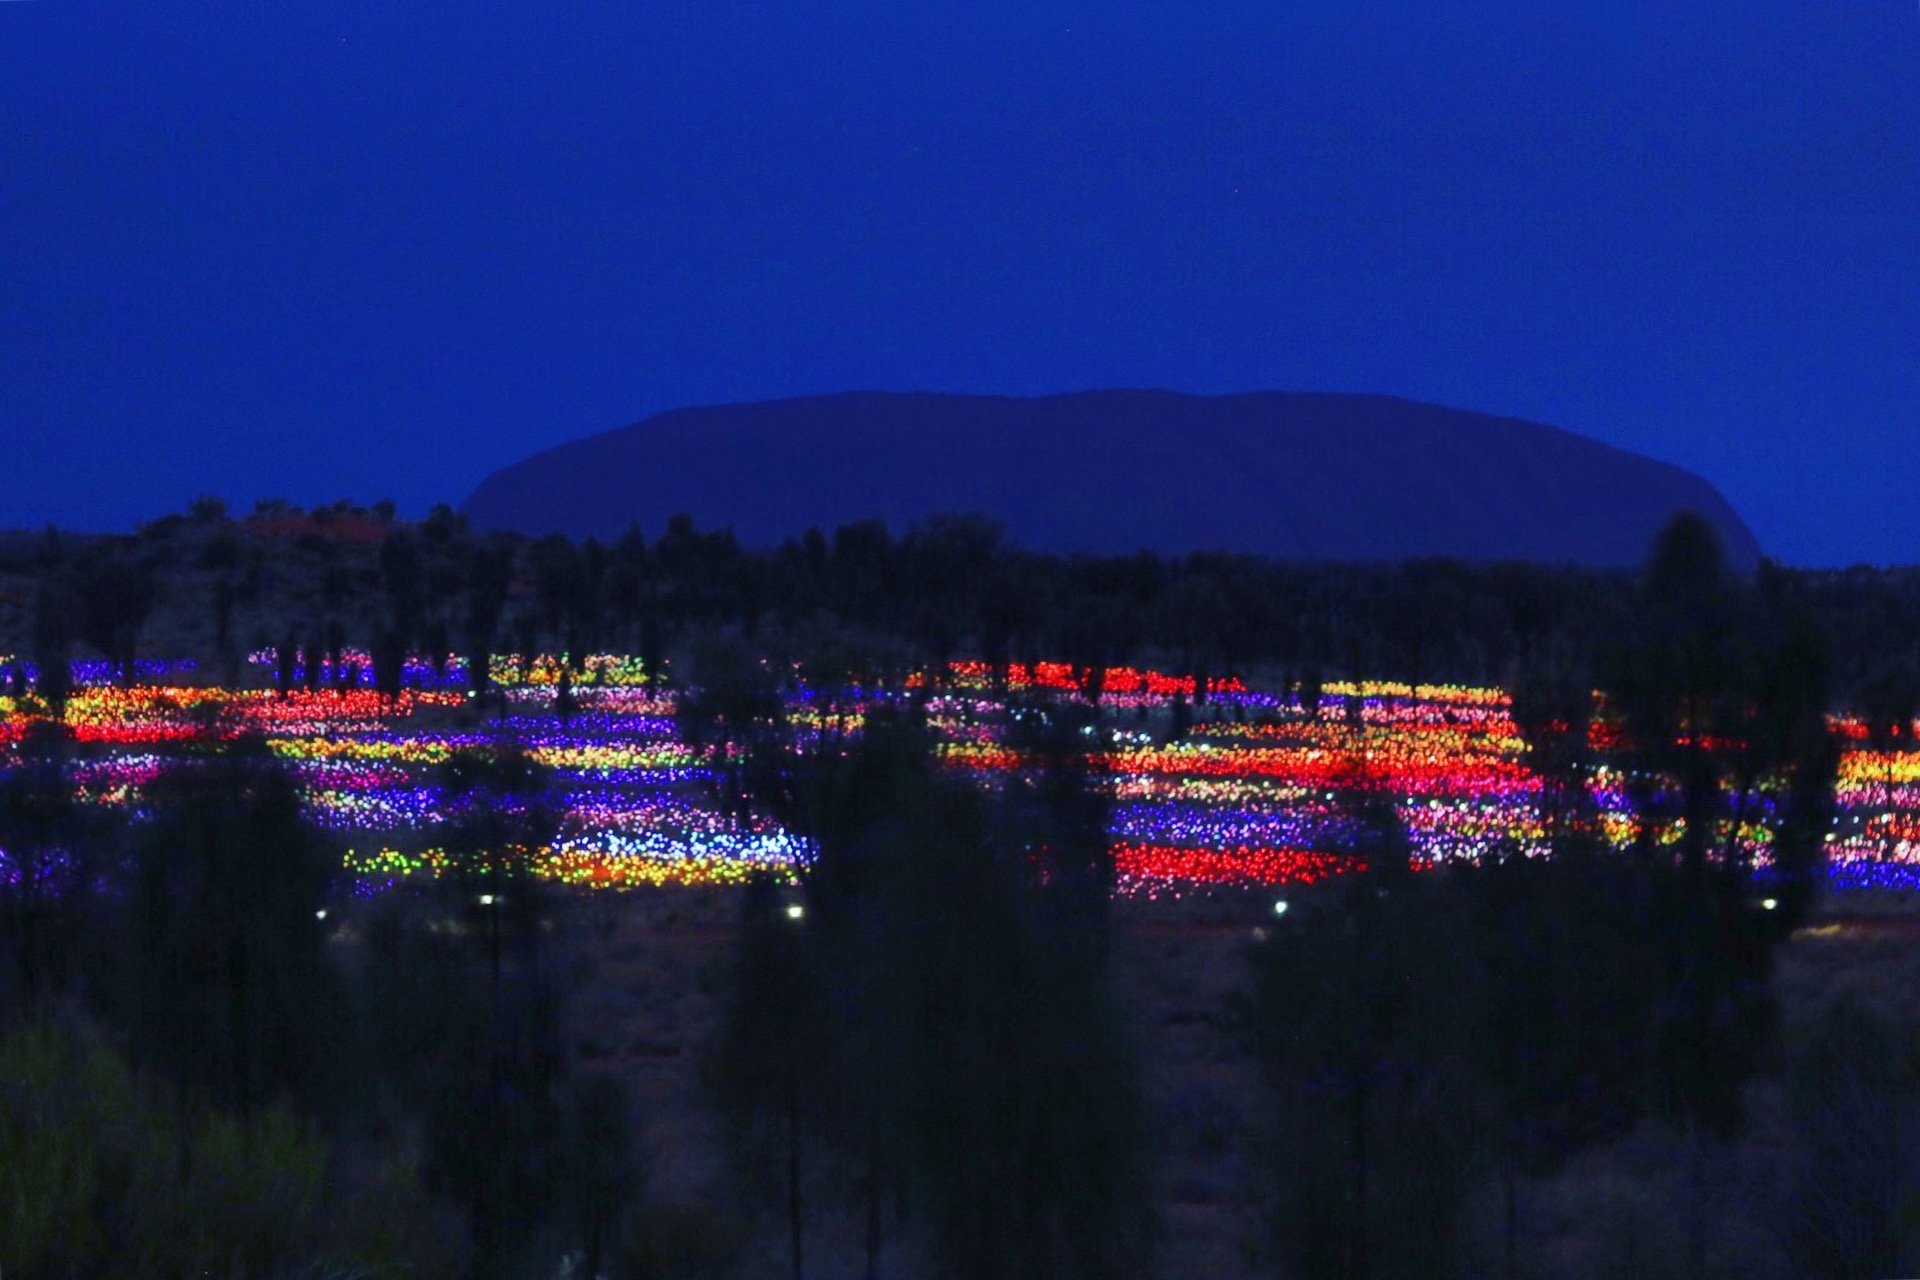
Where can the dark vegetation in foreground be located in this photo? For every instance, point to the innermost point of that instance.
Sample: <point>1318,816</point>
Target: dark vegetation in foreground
<point>215,1059</point>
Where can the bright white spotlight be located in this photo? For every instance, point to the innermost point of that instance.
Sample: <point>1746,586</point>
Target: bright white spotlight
<point>1280,907</point>
<point>796,911</point>
<point>1769,904</point>
<point>486,899</point>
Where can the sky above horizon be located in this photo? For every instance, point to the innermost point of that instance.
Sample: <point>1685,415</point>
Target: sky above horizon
<point>377,251</point>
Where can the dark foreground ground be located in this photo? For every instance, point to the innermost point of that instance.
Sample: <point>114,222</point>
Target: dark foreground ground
<point>658,965</point>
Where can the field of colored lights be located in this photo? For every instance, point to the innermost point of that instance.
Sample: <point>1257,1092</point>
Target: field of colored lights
<point>1257,794</point>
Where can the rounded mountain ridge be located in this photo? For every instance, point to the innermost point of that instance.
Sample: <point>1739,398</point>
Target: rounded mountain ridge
<point>1293,475</point>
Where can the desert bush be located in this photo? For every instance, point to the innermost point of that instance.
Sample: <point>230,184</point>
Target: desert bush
<point>108,1175</point>
<point>1852,1205</point>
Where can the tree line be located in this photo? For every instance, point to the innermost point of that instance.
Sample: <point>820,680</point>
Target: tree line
<point>309,584</point>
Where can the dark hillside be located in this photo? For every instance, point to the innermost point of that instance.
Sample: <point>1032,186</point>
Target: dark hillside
<point>1295,476</point>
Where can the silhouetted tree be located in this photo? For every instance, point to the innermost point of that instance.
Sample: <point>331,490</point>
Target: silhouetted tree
<point>1570,977</point>
<point>1311,690</point>
<point>113,597</point>
<point>1552,709</point>
<point>389,664</point>
<point>600,1176</point>
<point>1712,694</point>
<point>287,663</point>
<point>493,1130</point>
<point>1365,1013</point>
<point>1888,701</point>
<point>53,643</point>
<point>45,866</point>
<point>776,1057</point>
<point>488,573</point>
<point>732,714</point>
<point>402,578</point>
<point>945,970</point>
<point>226,935</point>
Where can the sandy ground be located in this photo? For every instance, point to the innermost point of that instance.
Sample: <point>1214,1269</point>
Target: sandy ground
<point>657,962</point>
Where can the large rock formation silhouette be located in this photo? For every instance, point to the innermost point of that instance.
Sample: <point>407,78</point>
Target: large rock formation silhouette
<point>1296,476</point>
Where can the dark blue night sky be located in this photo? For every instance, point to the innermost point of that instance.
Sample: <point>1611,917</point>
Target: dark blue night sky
<point>377,249</point>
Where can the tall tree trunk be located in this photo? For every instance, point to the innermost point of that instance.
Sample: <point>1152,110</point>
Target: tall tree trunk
<point>1358,1267</point>
<point>1697,1200</point>
<point>873,1208</point>
<point>794,1222</point>
<point>1886,852</point>
<point>242,1032</point>
<point>1513,1220</point>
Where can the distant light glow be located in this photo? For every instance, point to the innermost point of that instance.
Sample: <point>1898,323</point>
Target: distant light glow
<point>1256,794</point>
